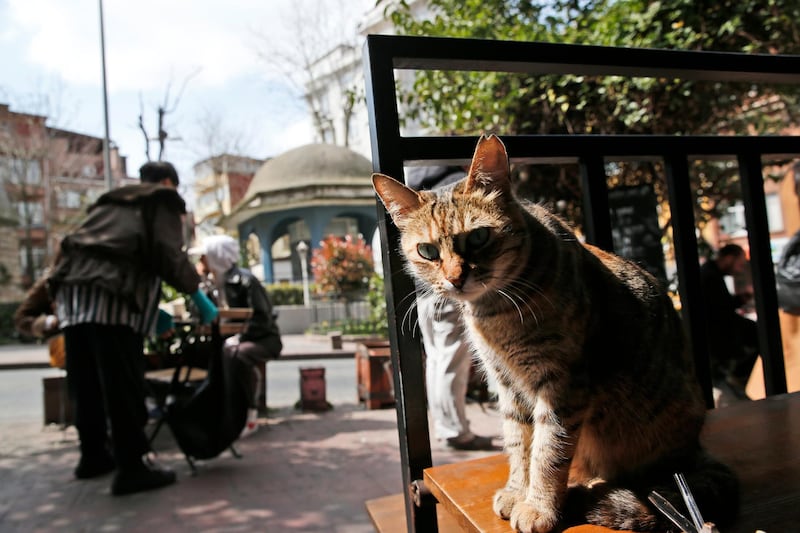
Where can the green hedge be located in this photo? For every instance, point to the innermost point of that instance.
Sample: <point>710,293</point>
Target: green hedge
<point>286,293</point>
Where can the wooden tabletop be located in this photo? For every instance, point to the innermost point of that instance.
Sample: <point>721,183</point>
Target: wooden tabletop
<point>760,440</point>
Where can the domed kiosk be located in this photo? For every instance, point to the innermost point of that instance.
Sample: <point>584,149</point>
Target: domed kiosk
<point>306,194</point>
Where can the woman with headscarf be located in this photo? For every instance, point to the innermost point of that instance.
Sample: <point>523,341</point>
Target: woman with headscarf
<point>234,286</point>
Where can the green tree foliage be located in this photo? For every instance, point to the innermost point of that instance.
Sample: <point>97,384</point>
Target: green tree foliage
<point>467,103</point>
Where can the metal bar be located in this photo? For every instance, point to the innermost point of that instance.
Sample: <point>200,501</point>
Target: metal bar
<point>596,216</point>
<point>569,148</point>
<point>769,333</point>
<point>437,53</point>
<point>681,204</point>
<point>406,352</point>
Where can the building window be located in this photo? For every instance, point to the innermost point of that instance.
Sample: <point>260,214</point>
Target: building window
<point>88,171</point>
<point>733,221</point>
<point>774,213</point>
<point>37,255</point>
<point>20,171</point>
<point>31,213</point>
<point>69,199</point>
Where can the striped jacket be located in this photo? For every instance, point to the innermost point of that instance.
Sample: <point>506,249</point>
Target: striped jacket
<point>111,268</point>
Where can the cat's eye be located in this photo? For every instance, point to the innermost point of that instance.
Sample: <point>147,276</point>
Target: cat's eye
<point>478,237</point>
<point>428,251</point>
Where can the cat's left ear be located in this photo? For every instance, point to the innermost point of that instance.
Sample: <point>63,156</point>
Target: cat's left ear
<point>398,199</point>
<point>489,169</point>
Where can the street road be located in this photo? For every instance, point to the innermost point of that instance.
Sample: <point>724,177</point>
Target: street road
<point>21,391</point>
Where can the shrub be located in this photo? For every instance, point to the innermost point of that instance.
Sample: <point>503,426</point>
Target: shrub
<point>285,293</point>
<point>342,267</point>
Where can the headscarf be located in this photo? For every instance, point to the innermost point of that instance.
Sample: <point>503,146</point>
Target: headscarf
<point>221,251</point>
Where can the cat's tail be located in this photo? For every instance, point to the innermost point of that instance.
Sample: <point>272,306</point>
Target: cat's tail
<point>623,504</point>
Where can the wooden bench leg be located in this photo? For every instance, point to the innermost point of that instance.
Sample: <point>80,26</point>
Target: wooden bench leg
<point>388,515</point>
<point>262,393</point>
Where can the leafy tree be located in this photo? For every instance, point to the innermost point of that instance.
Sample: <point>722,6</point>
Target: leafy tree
<point>466,103</point>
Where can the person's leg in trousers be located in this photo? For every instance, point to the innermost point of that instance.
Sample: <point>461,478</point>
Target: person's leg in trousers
<point>252,354</point>
<point>747,350</point>
<point>85,391</point>
<point>120,357</point>
<point>447,367</point>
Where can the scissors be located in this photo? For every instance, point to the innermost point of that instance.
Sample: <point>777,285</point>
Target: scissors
<point>694,525</point>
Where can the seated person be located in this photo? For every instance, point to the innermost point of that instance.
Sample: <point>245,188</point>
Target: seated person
<point>35,315</point>
<point>232,286</point>
<point>733,338</point>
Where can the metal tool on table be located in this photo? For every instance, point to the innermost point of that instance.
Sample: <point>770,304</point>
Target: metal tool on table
<point>694,525</point>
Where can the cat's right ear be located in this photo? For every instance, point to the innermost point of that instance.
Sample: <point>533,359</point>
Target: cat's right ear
<point>398,199</point>
<point>489,170</point>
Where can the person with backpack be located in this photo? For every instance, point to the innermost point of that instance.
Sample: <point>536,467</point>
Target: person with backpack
<point>106,288</point>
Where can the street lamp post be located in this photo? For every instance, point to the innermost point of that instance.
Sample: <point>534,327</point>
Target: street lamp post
<point>302,251</point>
<point>106,139</point>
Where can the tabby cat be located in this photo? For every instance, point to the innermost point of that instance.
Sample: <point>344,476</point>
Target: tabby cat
<point>596,386</point>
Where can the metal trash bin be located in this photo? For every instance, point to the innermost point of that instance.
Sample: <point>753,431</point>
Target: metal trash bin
<point>312,389</point>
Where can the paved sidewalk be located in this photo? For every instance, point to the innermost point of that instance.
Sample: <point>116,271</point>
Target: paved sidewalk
<point>299,472</point>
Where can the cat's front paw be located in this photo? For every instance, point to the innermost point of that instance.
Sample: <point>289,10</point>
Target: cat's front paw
<point>504,501</point>
<point>527,518</point>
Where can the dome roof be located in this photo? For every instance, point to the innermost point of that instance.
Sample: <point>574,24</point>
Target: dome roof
<point>305,177</point>
<point>312,164</point>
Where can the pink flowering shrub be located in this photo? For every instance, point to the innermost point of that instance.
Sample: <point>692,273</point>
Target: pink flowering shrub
<point>342,267</point>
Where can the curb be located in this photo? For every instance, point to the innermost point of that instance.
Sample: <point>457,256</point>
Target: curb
<point>24,365</point>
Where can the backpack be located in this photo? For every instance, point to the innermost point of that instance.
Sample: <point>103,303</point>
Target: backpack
<point>787,277</point>
<point>206,419</point>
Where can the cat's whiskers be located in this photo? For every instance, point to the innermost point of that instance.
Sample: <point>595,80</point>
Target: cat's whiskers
<point>518,290</point>
<point>407,317</point>
<point>407,314</point>
<point>438,305</point>
<point>526,301</point>
<point>511,299</point>
<point>531,287</point>
<point>534,289</point>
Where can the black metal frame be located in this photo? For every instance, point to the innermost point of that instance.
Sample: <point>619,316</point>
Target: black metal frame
<point>391,151</point>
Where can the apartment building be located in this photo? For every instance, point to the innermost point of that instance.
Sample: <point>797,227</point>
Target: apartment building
<point>220,182</point>
<point>48,176</point>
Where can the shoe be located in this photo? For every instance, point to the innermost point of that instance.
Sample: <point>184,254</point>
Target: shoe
<point>252,424</point>
<point>476,443</point>
<point>91,466</point>
<point>141,478</point>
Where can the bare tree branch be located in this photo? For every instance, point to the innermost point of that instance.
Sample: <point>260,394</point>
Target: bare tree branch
<point>314,32</point>
<point>217,144</point>
<point>143,129</point>
<point>167,106</point>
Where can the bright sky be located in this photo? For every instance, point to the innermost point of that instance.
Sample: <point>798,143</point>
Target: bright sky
<point>52,48</point>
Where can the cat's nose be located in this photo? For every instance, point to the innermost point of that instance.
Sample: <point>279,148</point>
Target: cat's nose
<point>456,282</point>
